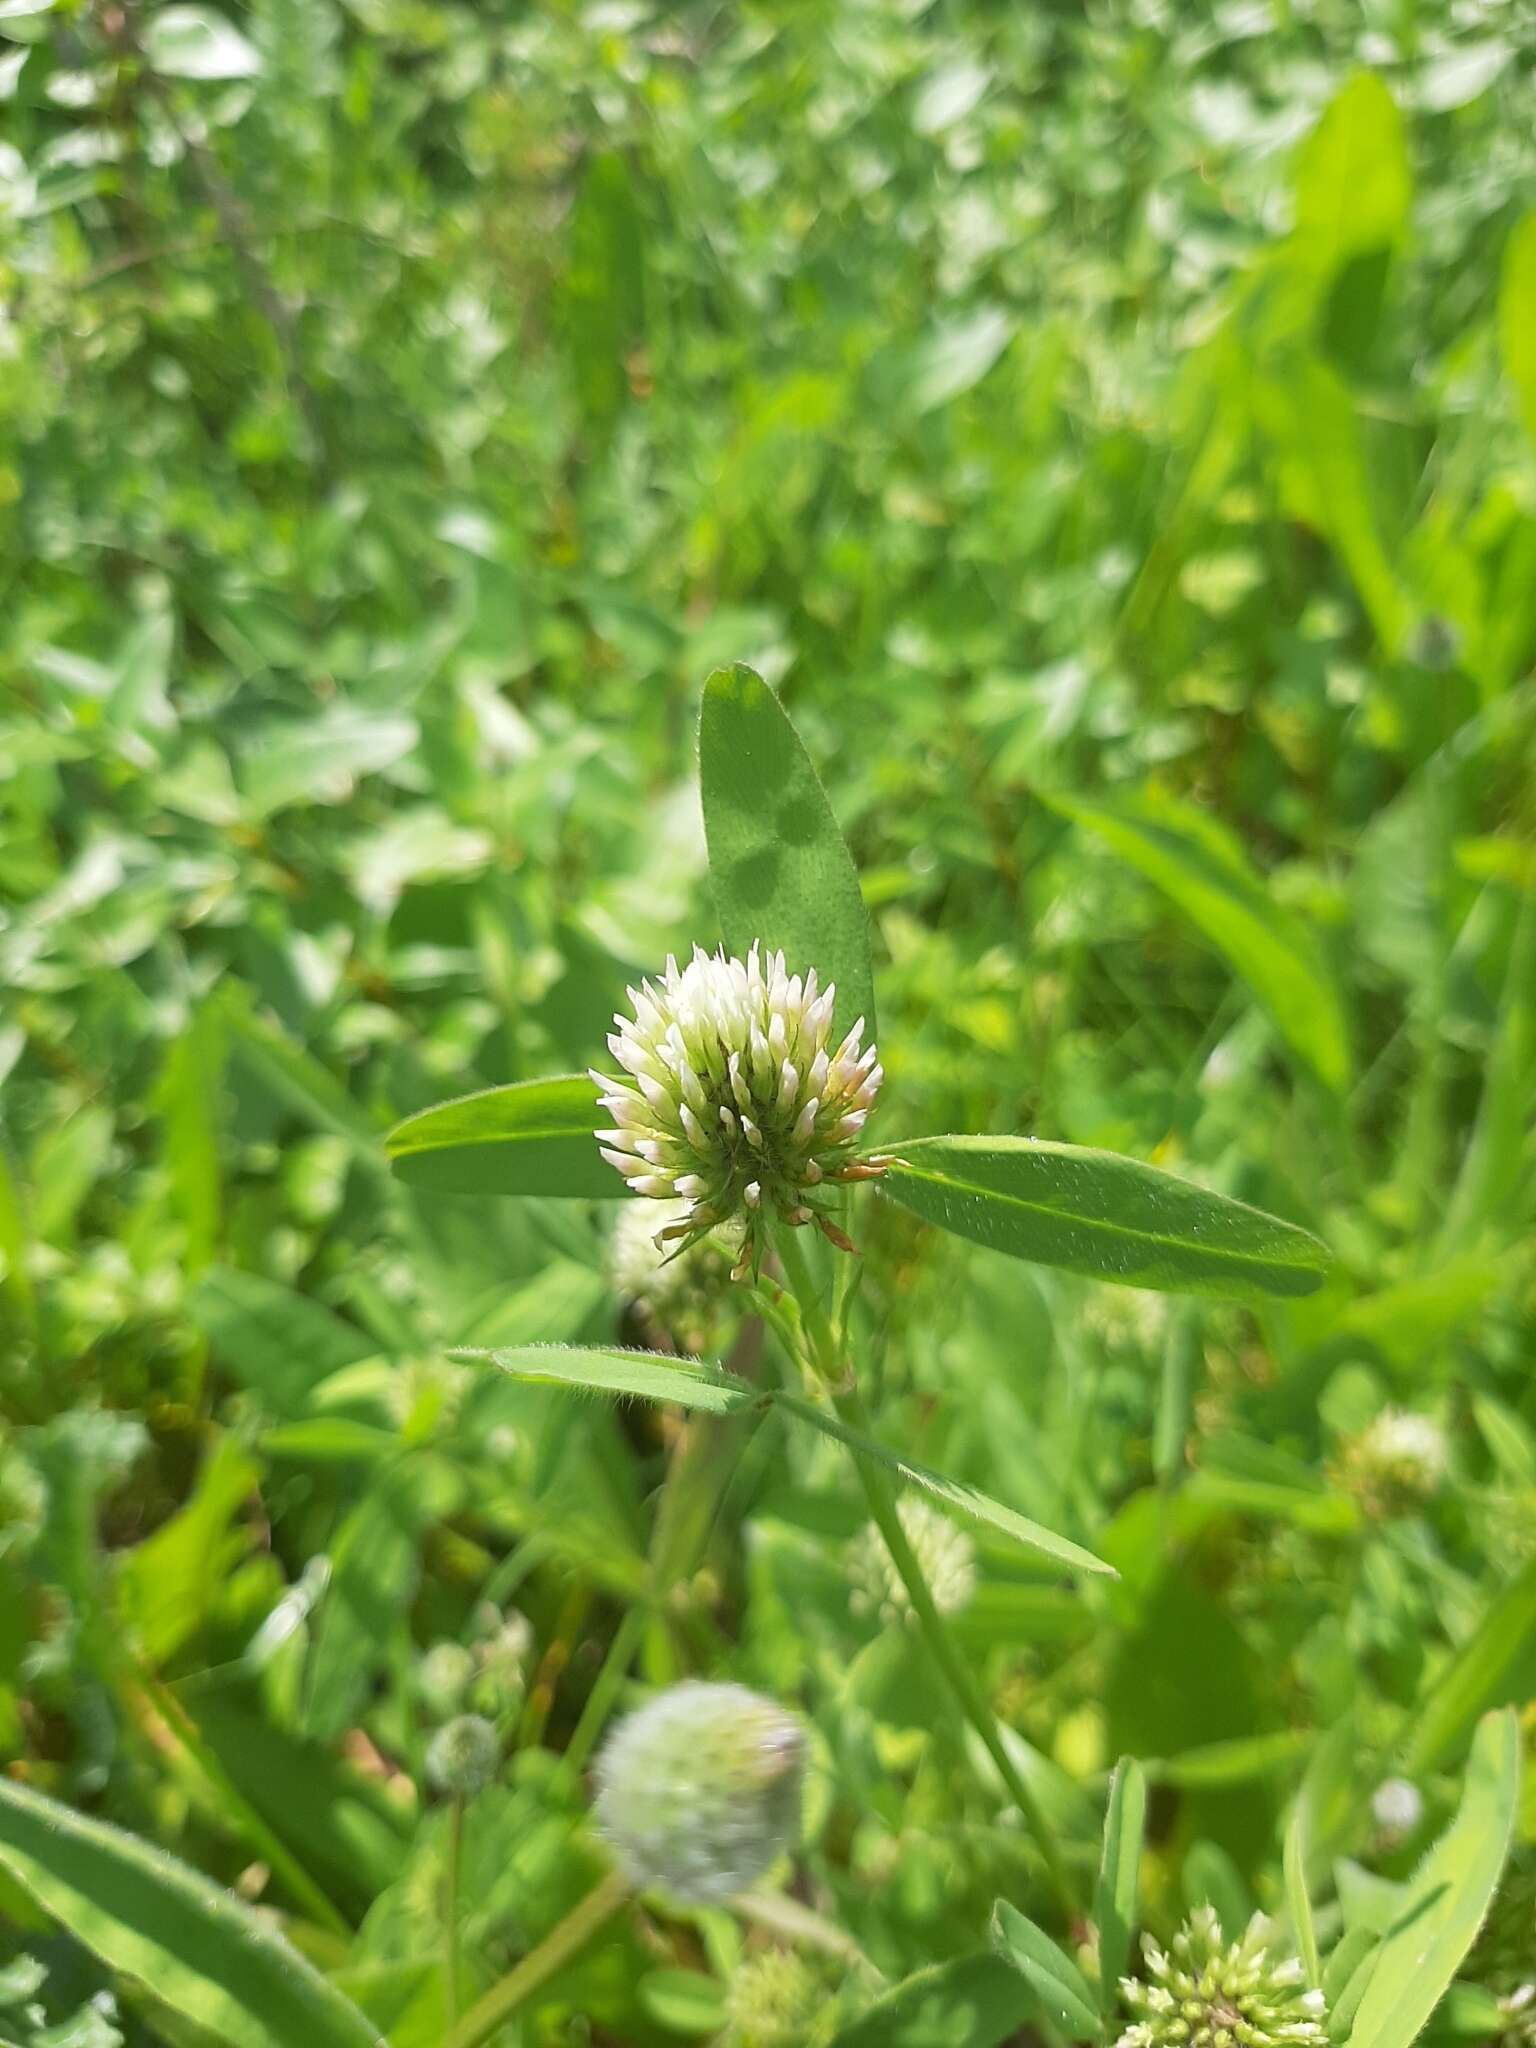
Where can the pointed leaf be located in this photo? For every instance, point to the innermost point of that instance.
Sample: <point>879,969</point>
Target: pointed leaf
<point>609,1369</point>
<point>1496,1664</point>
<point>778,865</point>
<point>531,1138</point>
<point>1297,1896</point>
<point>1447,1898</point>
<point>1204,872</point>
<point>1096,1212</point>
<point>974,2002</point>
<point>193,1943</point>
<point>1115,1902</point>
<point>1057,1982</point>
<point>955,1492</point>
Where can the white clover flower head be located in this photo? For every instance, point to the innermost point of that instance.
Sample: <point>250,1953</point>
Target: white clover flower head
<point>699,1790</point>
<point>1397,1807</point>
<point>1397,1462</point>
<point>946,1554</point>
<point>443,1676</point>
<point>1202,1992</point>
<point>464,1755</point>
<point>734,1099</point>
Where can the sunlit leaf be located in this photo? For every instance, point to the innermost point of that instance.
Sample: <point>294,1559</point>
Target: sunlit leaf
<point>778,865</point>
<point>609,1369</point>
<point>1447,1898</point>
<point>196,1946</point>
<point>531,1138</point>
<point>1064,1993</point>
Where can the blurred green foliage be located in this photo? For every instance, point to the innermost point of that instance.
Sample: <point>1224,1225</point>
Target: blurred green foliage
<point>1114,432</point>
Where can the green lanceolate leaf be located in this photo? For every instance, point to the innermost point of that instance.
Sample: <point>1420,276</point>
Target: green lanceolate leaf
<point>974,2002</point>
<point>609,1369</point>
<point>1203,870</point>
<point>1438,1920</point>
<point>1096,1212</point>
<point>778,865</point>
<point>199,1949</point>
<point>531,1138</point>
<point>1517,318</point>
<point>1496,1664</point>
<point>1064,1993</point>
<point>1297,1897</point>
<point>954,1492</point>
<point>1115,1901</point>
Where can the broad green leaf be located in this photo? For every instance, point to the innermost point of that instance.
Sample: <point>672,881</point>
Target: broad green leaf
<point>1236,1762</point>
<point>1517,318</point>
<point>1202,869</point>
<point>1116,1898</point>
<point>170,1584</point>
<point>345,1826</point>
<point>15,1242</point>
<point>1064,1993</point>
<point>955,1492</point>
<point>1448,1896</point>
<point>375,1566</point>
<point>1354,184</point>
<point>317,759</point>
<point>1495,1665</point>
<point>189,1108</point>
<point>975,2002</point>
<point>955,355</point>
<point>273,1340</point>
<point>1297,1896</point>
<point>200,1950</point>
<point>531,1138</point>
<point>295,1077</point>
<point>778,865</point>
<point>1099,1213</point>
<point>609,1369</point>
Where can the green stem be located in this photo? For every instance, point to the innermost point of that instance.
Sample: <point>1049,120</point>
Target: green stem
<point>452,1972</point>
<point>552,1954</point>
<point>946,1652</point>
<point>826,1353</point>
<point>793,1922</point>
<point>830,1362</point>
<point>627,1638</point>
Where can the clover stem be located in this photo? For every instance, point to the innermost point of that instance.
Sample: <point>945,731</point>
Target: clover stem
<point>829,1362</point>
<point>452,1971</point>
<point>558,1947</point>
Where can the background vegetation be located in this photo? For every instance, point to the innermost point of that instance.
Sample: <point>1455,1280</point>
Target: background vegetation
<point>1112,431</point>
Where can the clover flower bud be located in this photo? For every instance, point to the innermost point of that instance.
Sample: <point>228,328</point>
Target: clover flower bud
<point>734,1099</point>
<point>1397,1807</point>
<point>442,1678</point>
<point>946,1555</point>
<point>1205,1993</point>
<point>699,1791</point>
<point>677,1296</point>
<point>463,1756</point>
<point>1396,1463</point>
<point>775,2000</point>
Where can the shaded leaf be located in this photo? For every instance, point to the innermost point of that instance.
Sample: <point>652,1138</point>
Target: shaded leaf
<point>1096,1212</point>
<point>1495,1665</point>
<point>975,2002</point>
<point>955,1492</point>
<point>1201,868</point>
